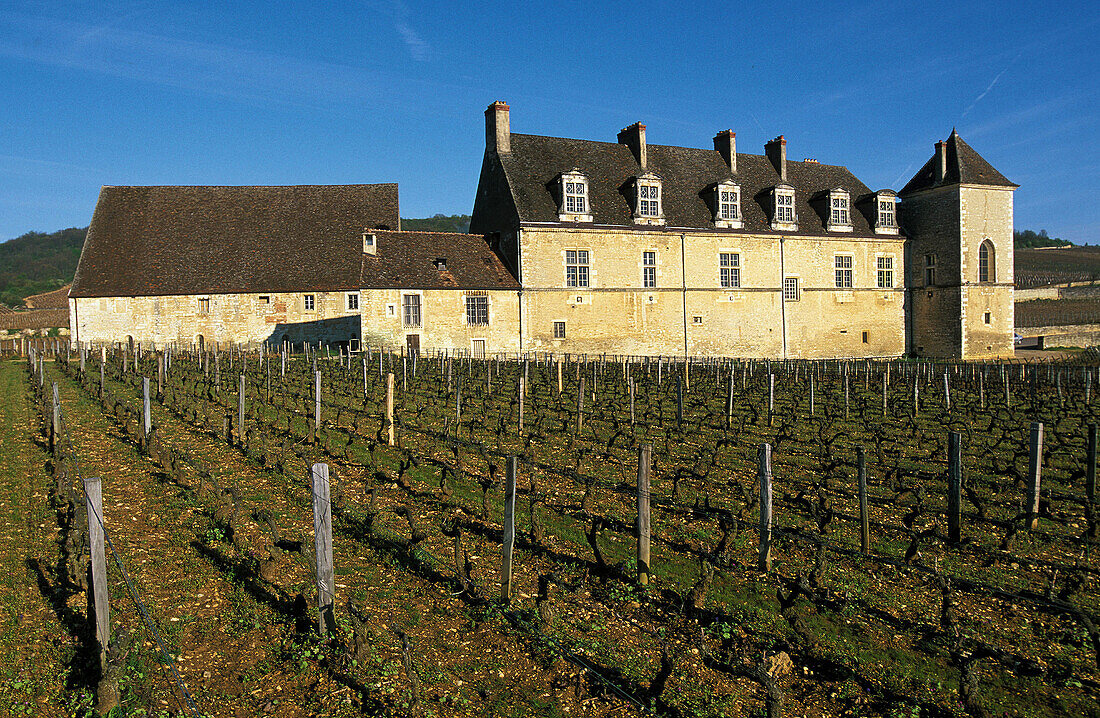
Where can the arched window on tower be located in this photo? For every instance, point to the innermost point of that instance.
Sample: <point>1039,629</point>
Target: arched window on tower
<point>987,266</point>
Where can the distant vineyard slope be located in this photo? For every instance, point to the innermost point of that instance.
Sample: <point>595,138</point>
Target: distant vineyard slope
<point>1042,267</point>
<point>1057,312</point>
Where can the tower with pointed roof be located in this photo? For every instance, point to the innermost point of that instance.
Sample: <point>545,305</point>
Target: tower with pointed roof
<point>957,213</point>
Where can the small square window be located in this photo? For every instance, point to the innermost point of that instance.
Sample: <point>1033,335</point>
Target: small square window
<point>265,299</point>
<point>696,320</point>
<point>559,330</point>
<point>308,302</point>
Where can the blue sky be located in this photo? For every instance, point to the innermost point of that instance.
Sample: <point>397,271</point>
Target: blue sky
<point>141,93</point>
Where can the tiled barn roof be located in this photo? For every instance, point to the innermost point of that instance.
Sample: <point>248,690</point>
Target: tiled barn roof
<point>411,260</point>
<point>196,240</point>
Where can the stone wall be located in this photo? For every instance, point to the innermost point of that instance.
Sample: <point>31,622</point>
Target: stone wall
<point>215,319</point>
<point>443,320</point>
<point>988,317</point>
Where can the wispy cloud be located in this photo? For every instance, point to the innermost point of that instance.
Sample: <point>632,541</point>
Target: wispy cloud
<point>990,87</point>
<point>418,48</point>
<point>398,14</point>
<point>210,68</point>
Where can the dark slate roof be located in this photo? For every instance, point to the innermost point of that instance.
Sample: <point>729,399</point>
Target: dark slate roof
<point>687,175</point>
<point>407,260</point>
<point>198,240</point>
<point>964,166</point>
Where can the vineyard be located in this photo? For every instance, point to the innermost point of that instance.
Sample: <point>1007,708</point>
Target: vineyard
<point>822,538</point>
<point>1040,267</point>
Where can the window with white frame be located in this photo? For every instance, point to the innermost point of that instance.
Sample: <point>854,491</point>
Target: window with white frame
<point>887,215</point>
<point>576,267</point>
<point>649,269</point>
<point>308,302</point>
<point>649,199</point>
<point>410,311</point>
<point>784,217</point>
<point>930,270</point>
<point>885,272</point>
<point>728,205</point>
<point>729,270</point>
<point>575,206</point>
<point>790,289</point>
<point>840,216</point>
<point>559,330</point>
<point>353,301</point>
<point>477,311</point>
<point>843,267</point>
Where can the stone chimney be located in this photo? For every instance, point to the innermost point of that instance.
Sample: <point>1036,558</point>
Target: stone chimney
<point>941,160</point>
<point>498,133</point>
<point>776,150</point>
<point>634,138</point>
<point>725,144</point>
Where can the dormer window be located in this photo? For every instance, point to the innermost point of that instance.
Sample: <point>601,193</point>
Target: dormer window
<point>370,244</point>
<point>840,214</point>
<point>575,206</point>
<point>728,205</point>
<point>648,207</point>
<point>886,213</point>
<point>440,263</point>
<point>784,217</point>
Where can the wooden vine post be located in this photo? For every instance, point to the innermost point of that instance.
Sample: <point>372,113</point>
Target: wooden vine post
<point>389,408</point>
<point>102,365</point>
<point>580,406</point>
<point>764,562</point>
<point>954,485</point>
<point>522,392</point>
<point>55,424</point>
<point>1090,467</point>
<point>771,398</point>
<point>147,424</point>
<point>240,411</point>
<point>864,519</point>
<point>1034,472</point>
<point>509,530</point>
<point>93,493</point>
<point>322,532</point>
<point>316,404</point>
<point>645,459</point>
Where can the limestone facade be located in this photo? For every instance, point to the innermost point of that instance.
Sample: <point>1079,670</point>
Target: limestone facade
<point>211,320</point>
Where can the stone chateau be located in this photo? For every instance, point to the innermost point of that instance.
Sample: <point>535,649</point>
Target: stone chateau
<point>575,246</point>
